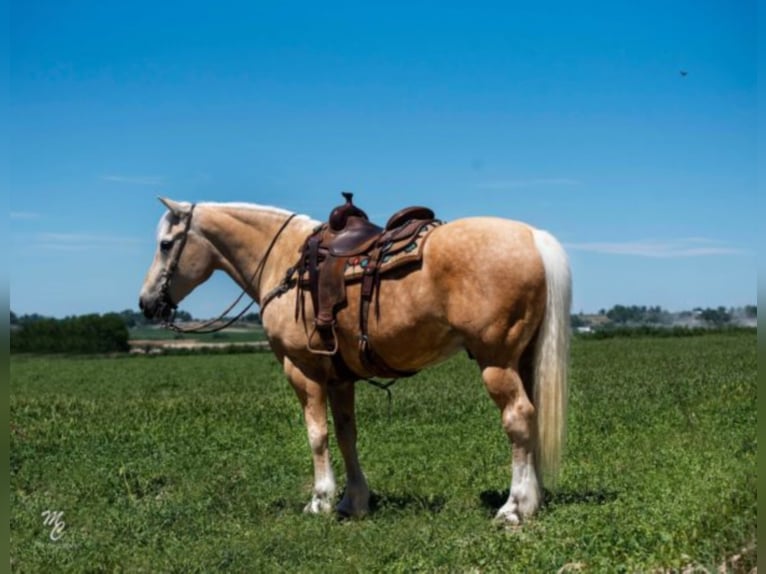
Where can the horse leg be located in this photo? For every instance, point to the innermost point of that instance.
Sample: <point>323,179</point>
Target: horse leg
<point>519,421</point>
<point>356,498</point>
<point>313,398</point>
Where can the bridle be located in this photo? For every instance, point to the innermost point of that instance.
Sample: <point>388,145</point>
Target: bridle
<point>207,327</point>
<point>167,275</point>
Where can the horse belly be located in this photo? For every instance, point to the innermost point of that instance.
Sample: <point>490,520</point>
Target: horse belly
<point>407,330</point>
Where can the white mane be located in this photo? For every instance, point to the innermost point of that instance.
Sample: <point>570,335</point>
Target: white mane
<point>165,219</point>
<point>244,205</point>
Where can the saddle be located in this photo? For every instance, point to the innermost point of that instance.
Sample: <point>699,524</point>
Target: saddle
<point>349,247</point>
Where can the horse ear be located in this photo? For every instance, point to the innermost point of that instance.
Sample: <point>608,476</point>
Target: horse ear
<point>176,208</point>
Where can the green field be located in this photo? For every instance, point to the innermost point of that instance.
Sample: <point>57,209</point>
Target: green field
<point>201,464</point>
<point>231,335</point>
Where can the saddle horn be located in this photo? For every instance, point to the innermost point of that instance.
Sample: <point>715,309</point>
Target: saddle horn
<point>339,216</point>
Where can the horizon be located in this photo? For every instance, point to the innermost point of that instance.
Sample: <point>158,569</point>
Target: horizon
<point>577,120</point>
<point>598,312</point>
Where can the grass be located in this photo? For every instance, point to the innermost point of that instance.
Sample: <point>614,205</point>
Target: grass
<point>201,464</point>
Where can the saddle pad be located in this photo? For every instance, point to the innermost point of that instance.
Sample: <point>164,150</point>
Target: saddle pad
<point>395,255</point>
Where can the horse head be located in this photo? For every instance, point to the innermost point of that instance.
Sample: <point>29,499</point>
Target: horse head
<point>183,260</point>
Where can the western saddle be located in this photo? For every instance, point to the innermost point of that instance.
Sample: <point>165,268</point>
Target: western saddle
<point>350,247</point>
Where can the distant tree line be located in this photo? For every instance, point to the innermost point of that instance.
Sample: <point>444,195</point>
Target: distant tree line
<point>634,316</point>
<point>91,333</point>
<point>82,334</point>
<point>624,315</point>
<point>131,318</point>
<point>136,318</point>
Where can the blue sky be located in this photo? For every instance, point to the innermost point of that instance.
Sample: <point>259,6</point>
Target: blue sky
<point>571,116</point>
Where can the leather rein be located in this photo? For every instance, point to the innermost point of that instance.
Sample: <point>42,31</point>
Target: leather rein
<point>207,326</point>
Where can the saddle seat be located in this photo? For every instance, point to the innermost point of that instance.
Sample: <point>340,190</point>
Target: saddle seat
<point>345,240</point>
<point>349,231</point>
<point>356,237</point>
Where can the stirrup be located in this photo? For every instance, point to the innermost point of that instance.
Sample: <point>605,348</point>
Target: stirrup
<point>326,352</point>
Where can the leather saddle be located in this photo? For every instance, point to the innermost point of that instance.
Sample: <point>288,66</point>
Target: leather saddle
<point>350,232</point>
<point>346,240</point>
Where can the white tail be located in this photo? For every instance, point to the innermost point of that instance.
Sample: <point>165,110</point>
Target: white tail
<point>552,357</point>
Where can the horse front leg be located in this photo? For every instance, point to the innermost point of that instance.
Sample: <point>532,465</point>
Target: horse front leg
<point>313,398</point>
<point>519,420</point>
<point>356,498</point>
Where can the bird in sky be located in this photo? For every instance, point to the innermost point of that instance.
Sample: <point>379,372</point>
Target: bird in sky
<point>683,72</point>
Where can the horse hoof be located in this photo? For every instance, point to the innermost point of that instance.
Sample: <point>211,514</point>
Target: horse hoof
<point>348,512</point>
<point>318,506</point>
<point>507,516</point>
<point>346,509</point>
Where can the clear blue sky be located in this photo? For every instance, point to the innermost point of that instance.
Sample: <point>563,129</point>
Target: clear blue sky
<point>571,116</point>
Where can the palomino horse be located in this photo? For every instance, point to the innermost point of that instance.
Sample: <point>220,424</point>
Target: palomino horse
<point>497,288</point>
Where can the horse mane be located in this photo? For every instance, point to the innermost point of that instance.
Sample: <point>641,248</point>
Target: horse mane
<point>254,207</point>
<point>235,205</point>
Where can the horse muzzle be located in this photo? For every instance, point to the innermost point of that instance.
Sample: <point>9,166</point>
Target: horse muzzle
<point>160,308</point>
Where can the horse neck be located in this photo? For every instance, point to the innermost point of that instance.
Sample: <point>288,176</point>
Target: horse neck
<point>242,234</point>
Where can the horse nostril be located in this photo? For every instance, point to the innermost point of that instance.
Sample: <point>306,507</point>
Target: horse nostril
<point>145,307</point>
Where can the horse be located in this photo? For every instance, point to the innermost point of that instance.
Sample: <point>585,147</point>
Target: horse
<point>496,288</point>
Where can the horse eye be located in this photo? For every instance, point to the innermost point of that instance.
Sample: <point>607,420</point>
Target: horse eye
<point>165,245</point>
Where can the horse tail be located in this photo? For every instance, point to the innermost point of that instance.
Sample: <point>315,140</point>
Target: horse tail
<point>551,356</point>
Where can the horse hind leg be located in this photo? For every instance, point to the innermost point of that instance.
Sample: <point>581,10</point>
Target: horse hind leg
<point>519,422</point>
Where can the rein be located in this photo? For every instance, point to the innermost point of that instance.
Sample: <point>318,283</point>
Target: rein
<point>205,327</point>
